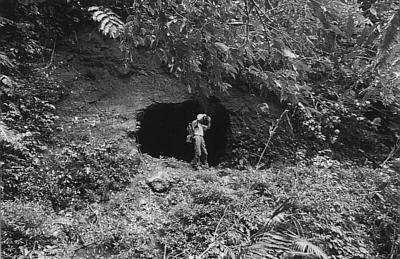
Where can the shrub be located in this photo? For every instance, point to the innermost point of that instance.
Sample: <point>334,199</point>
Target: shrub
<point>25,228</point>
<point>78,173</point>
<point>216,221</point>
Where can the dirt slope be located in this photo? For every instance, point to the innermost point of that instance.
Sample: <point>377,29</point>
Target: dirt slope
<point>104,95</point>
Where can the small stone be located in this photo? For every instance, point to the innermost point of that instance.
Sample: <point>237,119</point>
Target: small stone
<point>159,182</point>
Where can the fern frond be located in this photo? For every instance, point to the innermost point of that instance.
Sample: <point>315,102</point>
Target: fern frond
<point>304,246</point>
<point>391,32</point>
<point>5,21</point>
<point>110,23</point>
<point>5,62</point>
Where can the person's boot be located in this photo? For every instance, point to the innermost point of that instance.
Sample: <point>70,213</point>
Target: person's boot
<point>194,165</point>
<point>195,162</point>
<point>204,161</point>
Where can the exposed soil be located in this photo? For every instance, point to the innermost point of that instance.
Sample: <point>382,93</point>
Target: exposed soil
<point>106,97</point>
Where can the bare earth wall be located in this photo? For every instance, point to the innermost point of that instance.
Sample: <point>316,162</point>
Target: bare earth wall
<point>105,97</point>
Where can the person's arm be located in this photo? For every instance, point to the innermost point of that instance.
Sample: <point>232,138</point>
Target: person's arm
<point>208,126</point>
<point>195,124</point>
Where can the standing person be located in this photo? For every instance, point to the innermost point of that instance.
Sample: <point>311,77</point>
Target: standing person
<point>200,125</point>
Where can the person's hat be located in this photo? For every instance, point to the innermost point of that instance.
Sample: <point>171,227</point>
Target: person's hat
<point>200,116</point>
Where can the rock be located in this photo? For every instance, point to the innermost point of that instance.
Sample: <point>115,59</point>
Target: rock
<point>222,173</point>
<point>159,181</point>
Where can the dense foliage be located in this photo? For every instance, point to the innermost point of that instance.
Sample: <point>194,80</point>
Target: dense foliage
<point>349,213</point>
<point>332,64</point>
<point>286,47</point>
<point>30,128</point>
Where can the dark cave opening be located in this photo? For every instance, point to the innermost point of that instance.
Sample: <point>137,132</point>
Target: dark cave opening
<point>162,129</point>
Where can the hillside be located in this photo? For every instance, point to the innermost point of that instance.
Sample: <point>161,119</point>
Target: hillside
<point>95,162</point>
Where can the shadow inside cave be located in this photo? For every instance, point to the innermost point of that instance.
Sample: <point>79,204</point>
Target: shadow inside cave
<point>163,132</point>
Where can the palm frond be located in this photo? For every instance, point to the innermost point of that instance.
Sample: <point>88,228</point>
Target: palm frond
<point>110,23</point>
<point>259,254</point>
<point>272,243</point>
<point>285,206</point>
<point>306,247</point>
<point>270,223</point>
<point>277,216</point>
<point>268,245</point>
<point>275,238</point>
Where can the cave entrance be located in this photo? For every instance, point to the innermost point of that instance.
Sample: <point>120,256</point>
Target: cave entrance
<point>162,129</point>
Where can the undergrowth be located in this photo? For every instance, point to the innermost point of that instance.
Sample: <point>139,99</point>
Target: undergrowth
<point>61,200</point>
<point>282,212</point>
<point>34,167</point>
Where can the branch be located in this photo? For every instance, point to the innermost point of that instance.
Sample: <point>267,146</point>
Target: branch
<point>205,251</point>
<point>262,22</point>
<point>271,134</point>
<point>220,220</point>
<point>259,9</point>
<point>52,55</point>
<point>260,13</point>
<point>392,152</point>
<point>247,22</point>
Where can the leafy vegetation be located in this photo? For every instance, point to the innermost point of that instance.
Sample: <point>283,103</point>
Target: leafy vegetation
<point>31,169</point>
<point>333,65</point>
<point>232,214</point>
<point>332,70</point>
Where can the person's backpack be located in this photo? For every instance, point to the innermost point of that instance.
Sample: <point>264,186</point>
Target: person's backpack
<point>190,131</point>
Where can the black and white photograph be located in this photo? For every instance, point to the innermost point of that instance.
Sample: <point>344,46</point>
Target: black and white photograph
<point>196,129</point>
